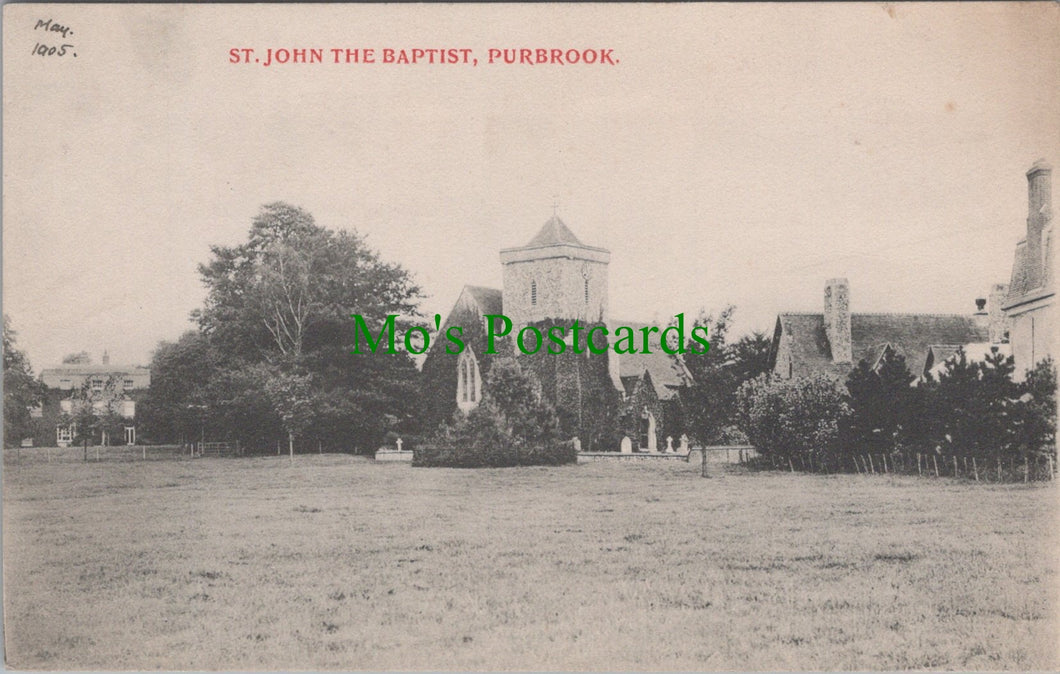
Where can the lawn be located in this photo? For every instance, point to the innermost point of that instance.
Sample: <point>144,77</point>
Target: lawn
<point>336,562</point>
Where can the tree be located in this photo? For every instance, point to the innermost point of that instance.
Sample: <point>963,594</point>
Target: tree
<point>284,299</point>
<point>882,402</point>
<point>1037,413</point>
<point>709,403</point>
<point>174,408</point>
<point>21,390</point>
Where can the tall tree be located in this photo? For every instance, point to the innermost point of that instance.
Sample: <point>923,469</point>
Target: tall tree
<point>284,298</point>
<point>709,404</point>
<point>21,390</point>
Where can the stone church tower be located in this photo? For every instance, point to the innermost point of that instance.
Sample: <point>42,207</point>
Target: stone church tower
<point>556,277</point>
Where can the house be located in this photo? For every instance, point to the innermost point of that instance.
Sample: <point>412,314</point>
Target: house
<point>107,386</point>
<point>836,339</point>
<point>1031,300</point>
<point>555,279</point>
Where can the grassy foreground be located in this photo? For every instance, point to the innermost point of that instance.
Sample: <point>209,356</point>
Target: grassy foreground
<point>339,563</point>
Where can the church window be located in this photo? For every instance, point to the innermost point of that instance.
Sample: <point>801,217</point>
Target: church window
<point>468,382</point>
<point>533,293</point>
<point>586,282</point>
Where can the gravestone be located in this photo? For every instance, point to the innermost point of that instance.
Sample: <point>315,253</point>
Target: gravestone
<point>669,444</point>
<point>683,447</point>
<point>398,443</point>
<point>577,443</point>
<point>627,445</point>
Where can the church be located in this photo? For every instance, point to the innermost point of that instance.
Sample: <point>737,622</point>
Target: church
<point>601,399</point>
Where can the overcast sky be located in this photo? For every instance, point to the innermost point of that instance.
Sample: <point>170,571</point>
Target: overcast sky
<point>736,154</point>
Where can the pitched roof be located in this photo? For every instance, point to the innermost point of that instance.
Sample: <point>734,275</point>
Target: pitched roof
<point>912,335</point>
<point>489,300</point>
<point>667,372</point>
<point>554,232</point>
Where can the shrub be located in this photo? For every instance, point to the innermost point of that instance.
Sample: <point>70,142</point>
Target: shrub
<point>512,426</point>
<point>792,416</point>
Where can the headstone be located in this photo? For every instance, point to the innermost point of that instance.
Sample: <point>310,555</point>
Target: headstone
<point>683,447</point>
<point>627,445</point>
<point>398,443</point>
<point>577,443</point>
<point>669,444</point>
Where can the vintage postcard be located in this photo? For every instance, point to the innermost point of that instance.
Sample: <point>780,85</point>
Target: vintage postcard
<point>555,337</point>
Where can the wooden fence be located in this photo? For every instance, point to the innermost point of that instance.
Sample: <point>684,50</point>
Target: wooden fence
<point>980,468</point>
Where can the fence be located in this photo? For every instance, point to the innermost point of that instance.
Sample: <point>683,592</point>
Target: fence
<point>110,453</point>
<point>218,449</point>
<point>996,468</point>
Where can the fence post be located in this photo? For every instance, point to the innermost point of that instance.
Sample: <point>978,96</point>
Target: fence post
<point>935,460</point>
<point>999,468</point>
<point>976,469</point>
<point>145,452</point>
<point>790,464</point>
<point>955,473</point>
<point>1026,469</point>
<point>919,472</point>
<point>1051,474</point>
<point>872,466</point>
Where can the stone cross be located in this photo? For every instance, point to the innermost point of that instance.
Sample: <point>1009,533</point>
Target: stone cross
<point>398,443</point>
<point>669,443</point>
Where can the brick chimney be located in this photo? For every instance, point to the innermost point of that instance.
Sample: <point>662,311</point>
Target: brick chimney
<point>837,319</point>
<point>1039,212</point>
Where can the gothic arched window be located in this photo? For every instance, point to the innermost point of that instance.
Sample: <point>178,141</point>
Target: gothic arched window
<point>586,281</point>
<point>468,381</point>
<point>533,293</point>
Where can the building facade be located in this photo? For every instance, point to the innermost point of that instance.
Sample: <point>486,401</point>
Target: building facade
<point>1031,300</point>
<point>107,388</point>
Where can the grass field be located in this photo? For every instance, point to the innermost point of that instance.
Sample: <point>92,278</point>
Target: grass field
<point>335,562</point>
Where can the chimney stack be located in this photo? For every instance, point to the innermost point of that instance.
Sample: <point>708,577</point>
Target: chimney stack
<point>980,306</point>
<point>1039,212</point>
<point>837,319</point>
<point>997,322</point>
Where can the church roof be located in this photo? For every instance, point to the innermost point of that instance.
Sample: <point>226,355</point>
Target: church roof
<point>667,372</point>
<point>554,232</point>
<point>489,300</point>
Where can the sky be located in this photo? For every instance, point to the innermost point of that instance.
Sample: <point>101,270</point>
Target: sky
<point>737,154</point>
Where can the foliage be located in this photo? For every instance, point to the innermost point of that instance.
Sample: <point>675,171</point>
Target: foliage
<point>709,404</point>
<point>175,407</point>
<point>883,404</point>
<point>512,426</point>
<point>273,355</point>
<point>21,390</point>
<point>792,416</point>
<point>1037,414</point>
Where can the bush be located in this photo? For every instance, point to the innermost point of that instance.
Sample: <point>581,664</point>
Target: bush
<point>788,417</point>
<point>512,426</point>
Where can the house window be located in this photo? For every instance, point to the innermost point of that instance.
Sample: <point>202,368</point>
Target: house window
<point>97,384</point>
<point>128,408</point>
<point>36,411</point>
<point>130,435</point>
<point>533,293</point>
<point>64,433</point>
<point>66,406</point>
<point>128,384</point>
<point>586,282</point>
<point>65,384</point>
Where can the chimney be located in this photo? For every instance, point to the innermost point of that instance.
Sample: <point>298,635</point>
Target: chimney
<point>837,319</point>
<point>1039,212</point>
<point>997,323</point>
<point>106,357</point>
<point>980,306</point>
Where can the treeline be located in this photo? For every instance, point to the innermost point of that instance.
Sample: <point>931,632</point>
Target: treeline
<point>974,410</point>
<point>272,360</point>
